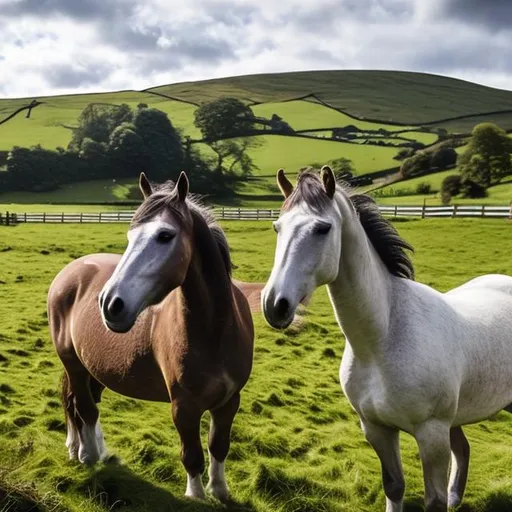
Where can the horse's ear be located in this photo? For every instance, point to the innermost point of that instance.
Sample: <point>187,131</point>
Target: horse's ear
<point>284,184</point>
<point>145,186</point>
<point>329,181</point>
<point>182,186</point>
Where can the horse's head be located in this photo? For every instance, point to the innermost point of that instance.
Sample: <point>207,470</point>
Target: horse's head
<point>308,244</point>
<point>157,258</point>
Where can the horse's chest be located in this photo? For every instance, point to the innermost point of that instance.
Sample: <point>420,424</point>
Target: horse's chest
<point>375,397</point>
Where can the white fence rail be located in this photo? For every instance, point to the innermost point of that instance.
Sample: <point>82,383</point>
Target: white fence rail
<point>424,211</point>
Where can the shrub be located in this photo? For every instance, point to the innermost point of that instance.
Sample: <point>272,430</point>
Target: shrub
<point>423,188</point>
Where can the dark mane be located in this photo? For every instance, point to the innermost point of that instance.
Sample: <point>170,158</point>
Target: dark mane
<point>389,245</point>
<point>164,196</point>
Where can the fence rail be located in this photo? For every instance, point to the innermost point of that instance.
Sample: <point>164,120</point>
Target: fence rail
<point>423,211</point>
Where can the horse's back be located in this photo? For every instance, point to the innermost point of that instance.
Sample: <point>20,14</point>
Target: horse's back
<point>497,282</point>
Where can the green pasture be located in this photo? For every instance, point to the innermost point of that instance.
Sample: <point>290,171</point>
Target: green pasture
<point>404,192</point>
<point>305,115</point>
<point>293,153</point>
<point>296,444</point>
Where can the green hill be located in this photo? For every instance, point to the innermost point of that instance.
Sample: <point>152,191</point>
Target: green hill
<point>409,106</point>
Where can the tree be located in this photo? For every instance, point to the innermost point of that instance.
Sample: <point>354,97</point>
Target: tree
<point>471,189</point>
<point>163,152</point>
<point>450,187</point>
<point>97,122</point>
<point>416,164</point>
<point>443,158</point>
<point>232,157</point>
<point>127,149</point>
<point>487,157</point>
<point>223,118</point>
<point>342,166</point>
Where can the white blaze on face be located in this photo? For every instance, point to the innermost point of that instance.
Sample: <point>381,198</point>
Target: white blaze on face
<point>307,253</point>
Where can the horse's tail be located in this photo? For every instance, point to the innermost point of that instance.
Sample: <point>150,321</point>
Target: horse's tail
<point>66,394</point>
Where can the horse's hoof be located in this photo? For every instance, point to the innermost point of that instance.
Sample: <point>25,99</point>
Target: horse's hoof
<point>218,490</point>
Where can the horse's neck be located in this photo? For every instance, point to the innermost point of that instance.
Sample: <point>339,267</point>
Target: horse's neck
<point>206,293</point>
<point>361,293</point>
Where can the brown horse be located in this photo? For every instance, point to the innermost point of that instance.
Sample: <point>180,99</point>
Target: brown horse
<point>164,322</point>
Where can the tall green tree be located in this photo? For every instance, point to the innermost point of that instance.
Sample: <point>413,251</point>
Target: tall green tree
<point>223,118</point>
<point>163,151</point>
<point>486,160</point>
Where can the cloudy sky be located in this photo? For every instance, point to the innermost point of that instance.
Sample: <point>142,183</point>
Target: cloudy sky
<point>60,46</point>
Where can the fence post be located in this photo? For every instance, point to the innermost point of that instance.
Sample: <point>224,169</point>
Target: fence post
<point>509,213</point>
<point>100,217</point>
<point>454,212</point>
<point>483,210</point>
<point>396,210</point>
<point>7,219</point>
<point>423,210</point>
<point>81,217</point>
<point>257,214</point>
<point>239,214</point>
<point>2,220</point>
<point>44,217</point>
<point>62,218</point>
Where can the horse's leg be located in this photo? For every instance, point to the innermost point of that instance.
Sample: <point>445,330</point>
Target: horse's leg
<point>96,391</point>
<point>86,416</point>
<point>218,446</point>
<point>68,402</point>
<point>460,465</point>
<point>433,438</point>
<point>187,418</point>
<point>385,442</point>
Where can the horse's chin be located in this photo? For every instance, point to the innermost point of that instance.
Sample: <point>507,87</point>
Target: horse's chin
<point>279,323</point>
<point>118,327</point>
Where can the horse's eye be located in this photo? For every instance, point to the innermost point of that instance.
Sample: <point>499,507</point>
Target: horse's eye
<point>323,229</point>
<point>164,237</point>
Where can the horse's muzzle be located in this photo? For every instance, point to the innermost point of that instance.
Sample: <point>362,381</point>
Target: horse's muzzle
<point>115,315</point>
<point>278,310</point>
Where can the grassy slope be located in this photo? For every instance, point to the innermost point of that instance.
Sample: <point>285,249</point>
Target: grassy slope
<point>296,443</point>
<point>390,96</point>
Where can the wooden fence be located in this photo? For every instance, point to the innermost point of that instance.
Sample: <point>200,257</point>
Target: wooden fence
<point>424,211</point>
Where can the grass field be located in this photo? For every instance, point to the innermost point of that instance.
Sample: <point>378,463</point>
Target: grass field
<point>404,192</point>
<point>296,444</point>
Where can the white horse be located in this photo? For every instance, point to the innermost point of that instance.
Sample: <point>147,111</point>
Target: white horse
<point>415,359</point>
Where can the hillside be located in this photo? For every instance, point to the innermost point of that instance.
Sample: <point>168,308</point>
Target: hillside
<point>410,107</point>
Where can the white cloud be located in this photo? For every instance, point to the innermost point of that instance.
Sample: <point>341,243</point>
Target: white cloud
<point>57,46</point>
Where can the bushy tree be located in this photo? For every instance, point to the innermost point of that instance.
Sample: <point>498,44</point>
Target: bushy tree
<point>443,158</point>
<point>487,157</point>
<point>223,118</point>
<point>414,165</point>
<point>127,150</point>
<point>97,121</point>
<point>163,153</point>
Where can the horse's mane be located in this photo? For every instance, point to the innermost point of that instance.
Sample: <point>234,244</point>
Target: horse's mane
<point>388,244</point>
<point>165,196</point>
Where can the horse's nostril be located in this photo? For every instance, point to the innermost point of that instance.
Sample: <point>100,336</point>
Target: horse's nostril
<point>282,306</point>
<point>116,306</point>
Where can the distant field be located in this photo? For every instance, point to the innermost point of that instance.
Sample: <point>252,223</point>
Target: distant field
<point>97,191</point>
<point>292,153</point>
<point>304,115</point>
